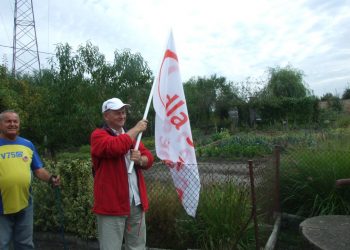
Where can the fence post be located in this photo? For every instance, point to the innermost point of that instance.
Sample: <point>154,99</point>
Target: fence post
<point>277,176</point>
<point>252,186</point>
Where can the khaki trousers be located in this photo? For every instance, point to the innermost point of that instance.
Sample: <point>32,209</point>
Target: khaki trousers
<point>112,230</point>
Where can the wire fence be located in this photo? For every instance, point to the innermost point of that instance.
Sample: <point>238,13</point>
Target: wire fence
<point>237,208</point>
<point>239,202</point>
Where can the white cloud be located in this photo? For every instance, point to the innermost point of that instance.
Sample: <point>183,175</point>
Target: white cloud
<point>232,39</point>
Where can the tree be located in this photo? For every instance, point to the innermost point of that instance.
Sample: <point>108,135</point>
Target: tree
<point>209,101</point>
<point>327,97</point>
<point>333,101</point>
<point>133,79</point>
<point>77,84</point>
<point>346,94</point>
<point>286,82</point>
<point>9,97</point>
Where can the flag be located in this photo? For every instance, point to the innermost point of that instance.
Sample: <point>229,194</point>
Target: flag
<point>173,137</point>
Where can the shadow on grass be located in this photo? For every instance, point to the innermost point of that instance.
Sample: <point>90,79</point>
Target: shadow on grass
<point>289,237</point>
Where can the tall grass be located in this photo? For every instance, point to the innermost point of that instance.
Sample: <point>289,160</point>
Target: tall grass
<point>220,223</point>
<point>223,213</point>
<point>165,209</point>
<point>308,177</point>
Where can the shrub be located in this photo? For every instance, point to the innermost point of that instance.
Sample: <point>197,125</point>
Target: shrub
<point>76,200</point>
<point>224,134</point>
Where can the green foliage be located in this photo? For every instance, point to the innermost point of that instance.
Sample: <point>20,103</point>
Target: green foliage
<point>148,142</point>
<point>64,104</point>
<point>308,178</point>
<point>221,135</point>
<point>209,100</point>
<point>76,200</point>
<point>19,95</point>
<point>83,153</point>
<point>333,102</point>
<point>165,210</point>
<point>343,121</point>
<point>300,111</point>
<point>60,107</point>
<point>286,82</point>
<point>346,94</point>
<point>285,98</point>
<point>327,97</point>
<point>223,212</point>
<point>8,96</point>
<point>243,145</point>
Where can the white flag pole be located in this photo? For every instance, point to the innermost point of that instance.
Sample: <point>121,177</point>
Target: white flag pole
<point>144,117</point>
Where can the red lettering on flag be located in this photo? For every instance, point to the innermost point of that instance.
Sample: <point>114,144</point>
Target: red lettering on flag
<point>178,121</point>
<point>180,193</point>
<point>189,141</point>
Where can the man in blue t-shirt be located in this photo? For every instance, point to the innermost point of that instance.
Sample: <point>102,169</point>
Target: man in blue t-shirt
<point>18,161</point>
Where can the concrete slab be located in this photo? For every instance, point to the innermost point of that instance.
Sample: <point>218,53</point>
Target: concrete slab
<point>329,232</point>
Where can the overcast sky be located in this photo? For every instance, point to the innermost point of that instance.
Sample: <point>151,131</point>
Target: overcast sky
<point>233,39</point>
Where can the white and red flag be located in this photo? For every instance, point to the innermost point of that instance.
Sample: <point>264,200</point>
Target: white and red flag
<point>173,137</point>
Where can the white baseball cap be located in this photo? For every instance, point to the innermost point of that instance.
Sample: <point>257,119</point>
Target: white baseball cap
<point>113,104</point>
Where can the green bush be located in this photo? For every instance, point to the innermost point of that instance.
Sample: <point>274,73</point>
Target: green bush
<point>224,134</point>
<point>76,200</point>
<point>301,111</point>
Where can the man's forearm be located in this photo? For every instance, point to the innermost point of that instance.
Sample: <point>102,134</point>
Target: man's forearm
<point>42,174</point>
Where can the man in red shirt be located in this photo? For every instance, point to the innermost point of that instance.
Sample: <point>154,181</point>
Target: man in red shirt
<point>120,198</point>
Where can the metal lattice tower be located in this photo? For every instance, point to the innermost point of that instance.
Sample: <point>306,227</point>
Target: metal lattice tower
<point>25,44</point>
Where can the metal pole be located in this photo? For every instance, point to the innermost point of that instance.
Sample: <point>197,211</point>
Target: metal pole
<point>252,186</point>
<point>277,176</point>
<point>14,41</point>
<point>36,40</point>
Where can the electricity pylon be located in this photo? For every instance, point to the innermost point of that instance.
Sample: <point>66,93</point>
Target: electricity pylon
<point>25,44</point>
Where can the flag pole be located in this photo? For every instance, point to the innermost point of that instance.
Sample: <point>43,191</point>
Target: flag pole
<point>144,118</point>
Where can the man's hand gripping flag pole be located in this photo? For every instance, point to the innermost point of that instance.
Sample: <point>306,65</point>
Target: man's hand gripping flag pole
<point>145,114</point>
